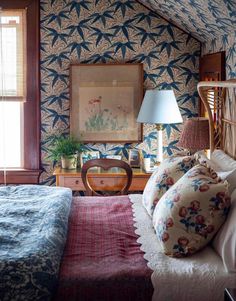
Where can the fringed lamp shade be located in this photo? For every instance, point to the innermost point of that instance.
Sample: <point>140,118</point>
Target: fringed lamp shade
<point>195,134</point>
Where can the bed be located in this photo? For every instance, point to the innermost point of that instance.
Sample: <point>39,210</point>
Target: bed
<point>110,249</point>
<point>199,277</point>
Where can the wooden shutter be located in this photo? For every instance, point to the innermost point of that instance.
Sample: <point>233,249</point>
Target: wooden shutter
<point>212,68</point>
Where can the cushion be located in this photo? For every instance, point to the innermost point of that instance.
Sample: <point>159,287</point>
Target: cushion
<point>224,242</point>
<point>224,166</point>
<point>191,212</point>
<point>201,157</point>
<point>168,172</point>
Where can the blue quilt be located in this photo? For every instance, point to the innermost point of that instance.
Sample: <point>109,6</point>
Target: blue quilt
<point>33,230</point>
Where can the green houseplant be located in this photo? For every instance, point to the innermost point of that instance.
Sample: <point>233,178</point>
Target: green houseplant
<point>66,149</point>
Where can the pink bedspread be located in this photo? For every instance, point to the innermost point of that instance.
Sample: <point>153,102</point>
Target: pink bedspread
<point>102,260</point>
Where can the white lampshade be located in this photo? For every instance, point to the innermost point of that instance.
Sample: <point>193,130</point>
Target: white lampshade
<point>159,107</point>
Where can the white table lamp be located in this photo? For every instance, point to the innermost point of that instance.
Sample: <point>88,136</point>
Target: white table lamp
<point>159,107</point>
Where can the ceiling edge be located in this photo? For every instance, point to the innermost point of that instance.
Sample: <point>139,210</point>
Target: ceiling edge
<point>172,23</point>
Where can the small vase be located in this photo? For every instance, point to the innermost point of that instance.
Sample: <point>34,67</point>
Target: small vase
<point>69,162</point>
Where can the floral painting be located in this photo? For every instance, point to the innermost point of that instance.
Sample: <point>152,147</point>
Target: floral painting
<point>105,102</point>
<point>106,109</point>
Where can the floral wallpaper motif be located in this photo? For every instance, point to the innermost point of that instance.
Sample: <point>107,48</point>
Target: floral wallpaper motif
<point>98,31</point>
<point>213,22</point>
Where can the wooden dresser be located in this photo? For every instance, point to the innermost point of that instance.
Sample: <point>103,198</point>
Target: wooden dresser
<point>110,180</point>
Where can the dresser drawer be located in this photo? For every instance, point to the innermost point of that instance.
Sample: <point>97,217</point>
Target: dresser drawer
<point>104,183</point>
<point>74,183</point>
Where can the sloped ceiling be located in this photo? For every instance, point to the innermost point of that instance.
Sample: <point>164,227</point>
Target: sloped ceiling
<point>204,19</point>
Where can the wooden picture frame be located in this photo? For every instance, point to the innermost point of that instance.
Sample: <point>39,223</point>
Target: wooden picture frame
<point>85,156</point>
<point>105,101</point>
<point>134,158</point>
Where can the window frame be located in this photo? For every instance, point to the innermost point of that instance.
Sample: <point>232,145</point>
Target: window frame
<point>31,108</point>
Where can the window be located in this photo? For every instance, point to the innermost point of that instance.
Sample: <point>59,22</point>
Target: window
<point>12,87</point>
<point>19,92</point>
<point>11,132</point>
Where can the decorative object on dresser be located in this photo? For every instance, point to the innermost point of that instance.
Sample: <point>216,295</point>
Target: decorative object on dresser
<point>134,158</point>
<point>85,156</point>
<point>159,107</point>
<point>195,134</point>
<point>105,99</point>
<point>66,149</point>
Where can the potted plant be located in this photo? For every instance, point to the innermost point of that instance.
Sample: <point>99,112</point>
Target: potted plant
<point>66,149</point>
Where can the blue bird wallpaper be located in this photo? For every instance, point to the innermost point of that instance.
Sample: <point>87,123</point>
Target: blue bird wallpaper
<point>102,31</point>
<point>213,22</point>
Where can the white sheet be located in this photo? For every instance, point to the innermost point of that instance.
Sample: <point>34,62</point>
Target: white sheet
<point>201,277</point>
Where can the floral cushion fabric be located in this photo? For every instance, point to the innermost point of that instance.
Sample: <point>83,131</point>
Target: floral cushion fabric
<point>169,171</point>
<point>191,212</point>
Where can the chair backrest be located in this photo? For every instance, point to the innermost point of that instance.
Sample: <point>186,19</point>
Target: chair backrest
<point>106,164</point>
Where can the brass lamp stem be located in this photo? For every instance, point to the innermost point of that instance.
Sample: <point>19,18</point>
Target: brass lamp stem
<point>159,127</point>
<point>159,157</point>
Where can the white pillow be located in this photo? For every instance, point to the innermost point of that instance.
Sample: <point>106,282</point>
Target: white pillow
<point>224,161</point>
<point>225,241</point>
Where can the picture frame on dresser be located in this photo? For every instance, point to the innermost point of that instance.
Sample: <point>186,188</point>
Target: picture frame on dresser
<point>85,156</point>
<point>105,101</point>
<point>134,158</point>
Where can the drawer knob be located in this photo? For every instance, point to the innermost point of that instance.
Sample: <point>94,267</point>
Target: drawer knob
<point>102,182</point>
<point>77,182</point>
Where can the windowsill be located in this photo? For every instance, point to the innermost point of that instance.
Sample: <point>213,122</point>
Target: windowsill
<point>20,176</point>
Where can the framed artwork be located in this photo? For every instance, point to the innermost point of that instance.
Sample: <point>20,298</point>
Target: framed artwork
<point>134,158</point>
<point>105,101</point>
<point>85,156</point>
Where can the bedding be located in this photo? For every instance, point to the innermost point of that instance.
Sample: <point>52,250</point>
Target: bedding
<point>199,277</point>
<point>224,242</point>
<point>102,259</point>
<point>33,229</point>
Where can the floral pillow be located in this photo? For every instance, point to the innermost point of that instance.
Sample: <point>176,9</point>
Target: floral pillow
<point>169,171</point>
<point>191,212</point>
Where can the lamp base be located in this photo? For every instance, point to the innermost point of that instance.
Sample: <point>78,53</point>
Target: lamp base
<point>159,157</point>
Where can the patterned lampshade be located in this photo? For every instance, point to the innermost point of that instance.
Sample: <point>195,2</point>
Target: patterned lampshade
<point>195,134</point>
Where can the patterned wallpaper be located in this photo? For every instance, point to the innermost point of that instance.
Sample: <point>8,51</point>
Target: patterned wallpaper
<point>205,19</point>
<point>84,31</point>
<point>213,22</point>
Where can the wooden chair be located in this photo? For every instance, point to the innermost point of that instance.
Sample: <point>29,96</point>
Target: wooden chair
<point>106,164</point>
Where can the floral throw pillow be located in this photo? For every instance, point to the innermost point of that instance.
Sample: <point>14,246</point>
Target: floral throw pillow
<point>167,173</point>
<point>191,212</point>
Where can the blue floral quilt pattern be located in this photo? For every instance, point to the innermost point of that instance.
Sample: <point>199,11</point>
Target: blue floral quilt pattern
<point>33,230</point>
